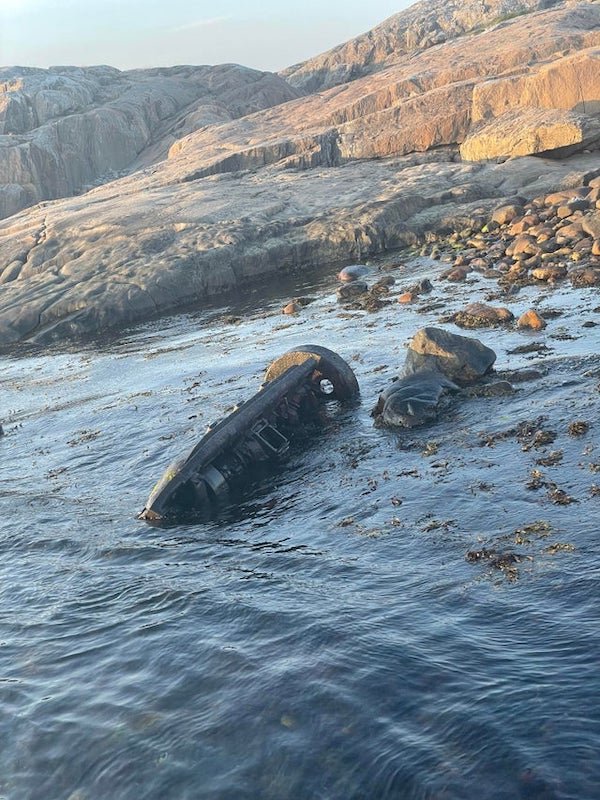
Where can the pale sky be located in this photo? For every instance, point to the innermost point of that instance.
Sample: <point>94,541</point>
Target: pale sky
<point>269,35</point>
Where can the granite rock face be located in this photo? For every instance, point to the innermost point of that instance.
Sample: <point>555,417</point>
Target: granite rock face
<point>432,99</point>
<point>420,27</point>
<point>530,131</point>
<point>66,128</point>
<point>348,172</point>
<point>148,242</point>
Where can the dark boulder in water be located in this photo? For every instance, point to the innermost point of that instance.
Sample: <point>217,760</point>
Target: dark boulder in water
<point>413,400</point>
<point>350,291</point>
<point>353,272</point>
<point>437,363</point>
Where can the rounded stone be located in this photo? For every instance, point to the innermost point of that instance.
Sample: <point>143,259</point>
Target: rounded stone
<point>353,272</point>
<point>406,297</point>
<point>531,320</point>
<point>505,214</point>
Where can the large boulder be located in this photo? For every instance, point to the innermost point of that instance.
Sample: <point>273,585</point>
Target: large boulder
<point>462,359</point>
<point>532,131</point>
<point>437,364</point>
<point>413,400</point>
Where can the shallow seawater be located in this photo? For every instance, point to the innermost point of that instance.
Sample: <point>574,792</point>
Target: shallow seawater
<point>329,638</point>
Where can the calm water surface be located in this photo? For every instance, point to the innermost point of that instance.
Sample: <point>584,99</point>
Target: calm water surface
<point>328,639</point>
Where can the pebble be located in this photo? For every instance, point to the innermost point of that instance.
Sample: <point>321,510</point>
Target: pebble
<point>457,274</point>
<point>523,244</point>
<point>531,320</point>
<point>585,277</point>
<point>591,225</point>
<point>406,297</point>
<point>573,230</point>
<point>558,198</point>
<point>353,272</point>
<point>386,280</point>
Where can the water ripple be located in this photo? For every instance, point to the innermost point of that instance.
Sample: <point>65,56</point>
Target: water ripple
<point>325,640</point>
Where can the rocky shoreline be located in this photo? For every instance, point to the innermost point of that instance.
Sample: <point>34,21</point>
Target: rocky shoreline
<point>551,240</point>
<point>73,270</point>
<point>440,115</point>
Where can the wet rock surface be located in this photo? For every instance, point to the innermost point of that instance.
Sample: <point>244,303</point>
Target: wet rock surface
<point>413,399</point>
<point>460,358</point>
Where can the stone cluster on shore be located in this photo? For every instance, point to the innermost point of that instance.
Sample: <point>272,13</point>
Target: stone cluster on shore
<point>551,239</point>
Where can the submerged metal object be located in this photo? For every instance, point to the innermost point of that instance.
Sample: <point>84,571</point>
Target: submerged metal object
<point>256,433</point>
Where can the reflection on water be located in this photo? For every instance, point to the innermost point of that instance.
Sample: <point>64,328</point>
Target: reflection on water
<point>326,639</point>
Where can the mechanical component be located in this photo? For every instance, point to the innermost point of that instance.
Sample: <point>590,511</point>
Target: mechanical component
<point>329,365</point>
<point>258,432</point>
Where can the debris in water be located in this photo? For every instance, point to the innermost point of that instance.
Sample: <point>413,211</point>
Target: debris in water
<point>255,435</point>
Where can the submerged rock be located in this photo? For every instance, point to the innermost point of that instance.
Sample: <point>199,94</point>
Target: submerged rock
<point>520,375</point>
<point>352,290</point>
<point>588,276</point>
<point>480,315</point>
<point>385,280</point>
<point>494,389</point>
